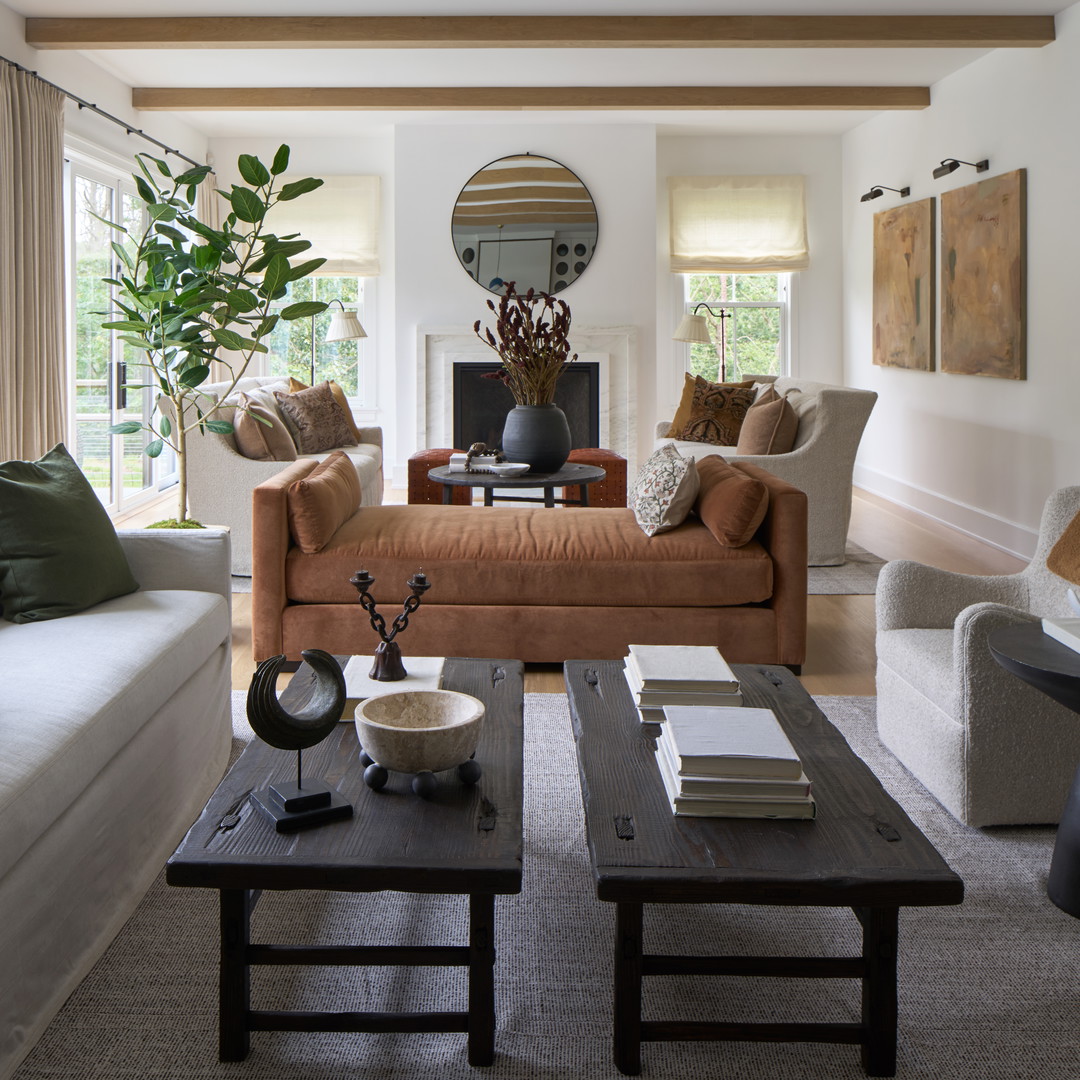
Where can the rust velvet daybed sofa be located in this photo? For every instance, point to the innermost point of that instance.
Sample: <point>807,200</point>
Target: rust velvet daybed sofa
<point>536,584</point>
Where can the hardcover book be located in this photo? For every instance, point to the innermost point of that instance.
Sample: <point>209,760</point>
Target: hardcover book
<point>1065,630</point>
<point>654,700</point>
<point>681,667</point>
<point>724,741</point>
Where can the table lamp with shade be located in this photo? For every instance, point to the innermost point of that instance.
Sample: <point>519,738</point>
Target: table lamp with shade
<point>695,329</point>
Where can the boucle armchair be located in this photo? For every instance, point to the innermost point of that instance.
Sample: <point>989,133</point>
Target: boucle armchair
<point>221,479</point>
<point>989,747</point>
<point>821,463</point>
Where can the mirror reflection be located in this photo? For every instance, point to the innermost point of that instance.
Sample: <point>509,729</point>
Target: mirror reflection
<point>525,219</point>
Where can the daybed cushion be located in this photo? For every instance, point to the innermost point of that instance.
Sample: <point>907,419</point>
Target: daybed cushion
<point>80,712</point>
<point>527,557</point>
<point>58,549</point>
<point>320,503</point>
<point>730,504</point>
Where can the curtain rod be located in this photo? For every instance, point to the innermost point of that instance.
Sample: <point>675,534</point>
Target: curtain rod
<point>84,104</point>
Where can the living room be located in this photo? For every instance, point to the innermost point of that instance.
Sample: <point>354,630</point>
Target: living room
<point>952,471</point>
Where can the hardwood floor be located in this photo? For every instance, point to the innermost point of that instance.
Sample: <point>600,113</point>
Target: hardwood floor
<point>840,652</point>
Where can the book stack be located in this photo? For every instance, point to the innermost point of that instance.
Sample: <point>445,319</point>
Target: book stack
<point>660,675</point>
<point>479,463</point>
<point>731,762</point>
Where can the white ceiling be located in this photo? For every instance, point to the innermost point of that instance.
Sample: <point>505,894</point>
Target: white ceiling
<point>528,67</point>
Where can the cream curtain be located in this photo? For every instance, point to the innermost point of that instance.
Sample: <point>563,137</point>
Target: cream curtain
<point>33,377</point>
<point>738,224</point>
<point>341,219</point>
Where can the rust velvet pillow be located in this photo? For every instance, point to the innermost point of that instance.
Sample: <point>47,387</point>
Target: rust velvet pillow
<point>694,386</point>
<point>770,426</point>
<point>730,504</point>
<point>322,502</point>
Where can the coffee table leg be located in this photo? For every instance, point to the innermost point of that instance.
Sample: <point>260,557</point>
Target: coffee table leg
<point>481,979</point>
<point>627,1028</point>
<point>234,983</point>
<point>880,926</point>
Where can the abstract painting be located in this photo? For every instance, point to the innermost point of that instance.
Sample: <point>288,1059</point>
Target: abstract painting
<point>904,286</point>
<point>983,278</point>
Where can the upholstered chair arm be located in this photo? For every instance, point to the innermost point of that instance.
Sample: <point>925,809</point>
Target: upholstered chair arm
<point>372,435</point>
<point>912,595</point>
<point>197,559</point>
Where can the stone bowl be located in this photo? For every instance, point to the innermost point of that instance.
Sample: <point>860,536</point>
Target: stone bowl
<point>415,731</point>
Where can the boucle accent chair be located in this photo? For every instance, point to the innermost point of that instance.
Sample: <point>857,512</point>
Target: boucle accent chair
<point>990,748</point>
<point>221,479</point>
<point>821,463</point>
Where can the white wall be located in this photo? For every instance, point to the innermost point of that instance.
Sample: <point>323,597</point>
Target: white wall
<point>816,350</point>
<point>72,72</point>
<point>979,453</point>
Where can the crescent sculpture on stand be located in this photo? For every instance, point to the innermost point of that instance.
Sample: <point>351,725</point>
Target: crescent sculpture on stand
<point>309,801</point>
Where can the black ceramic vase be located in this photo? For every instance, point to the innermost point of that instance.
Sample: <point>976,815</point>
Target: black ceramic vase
<point>537,435</point>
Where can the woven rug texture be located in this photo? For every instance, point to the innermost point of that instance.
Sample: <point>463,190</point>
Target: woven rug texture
<point>989,990</point>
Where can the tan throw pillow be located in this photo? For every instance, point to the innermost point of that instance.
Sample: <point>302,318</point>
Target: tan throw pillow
<point>322,502</point>
<point>770,426</point>
<point>1064,557</point>
<point>695,384</point>
<point>259,440</point>
<point>730,504</point>
<point>717,411</point>
<point>315,420</point>
<point>664,491</point>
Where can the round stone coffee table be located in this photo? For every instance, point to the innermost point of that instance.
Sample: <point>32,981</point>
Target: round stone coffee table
<point>568,476</point>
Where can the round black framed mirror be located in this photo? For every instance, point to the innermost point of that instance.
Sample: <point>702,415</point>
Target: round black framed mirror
<point>517,219</point>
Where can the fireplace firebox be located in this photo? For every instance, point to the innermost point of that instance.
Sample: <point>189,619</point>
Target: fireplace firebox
<point>481,404</point>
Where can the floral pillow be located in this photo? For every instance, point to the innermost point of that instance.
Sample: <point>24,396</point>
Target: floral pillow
<point>664,491</point>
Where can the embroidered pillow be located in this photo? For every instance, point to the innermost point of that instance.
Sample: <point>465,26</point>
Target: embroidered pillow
<point>730,504</point>
<point>315,420</point>
<point>664,491</point>
<point>339,397</point>
<point>260,433</point>
<point>691,384</point>
<point>770,426</point>
<point>717,411</point>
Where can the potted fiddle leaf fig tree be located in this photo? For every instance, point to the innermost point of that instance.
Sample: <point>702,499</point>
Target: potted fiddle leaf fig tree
<point>189,293</point>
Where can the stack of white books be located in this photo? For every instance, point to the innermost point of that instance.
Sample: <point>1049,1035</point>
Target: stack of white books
<point>480,463</point>
<point>660,675</point>
<point>731,762</point>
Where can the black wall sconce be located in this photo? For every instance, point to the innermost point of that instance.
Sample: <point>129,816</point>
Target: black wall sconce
<point>951,164</point>
<point>879,189</point>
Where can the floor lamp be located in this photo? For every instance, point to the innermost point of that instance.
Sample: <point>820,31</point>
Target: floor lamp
<point>344,326</point>
<point>695,328</point>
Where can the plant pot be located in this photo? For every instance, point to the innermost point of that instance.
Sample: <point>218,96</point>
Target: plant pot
<point>537,435</point>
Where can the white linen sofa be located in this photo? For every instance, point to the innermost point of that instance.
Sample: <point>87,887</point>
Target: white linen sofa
<point>221,479</point>
<point>115,727</point>
<point>821,463</point>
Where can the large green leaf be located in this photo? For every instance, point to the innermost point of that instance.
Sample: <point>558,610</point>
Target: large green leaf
<point>253,170</point>
<point>153,449</point>
<point>276,276</point>
<point>304,269</point>
<point>221,427</point>
<point>303,310</point>
<point>166,426</point>
<point>281,160</point>
<point>194,175</point>
<point>298,188</point>
<point>247,206</point>
<point>128,427</point>
<point>243,300</point>
<point>194,376</point>
<point>125,324</point>
<point>229,339</point>
<point>146,192</point>
<point>171,233</point>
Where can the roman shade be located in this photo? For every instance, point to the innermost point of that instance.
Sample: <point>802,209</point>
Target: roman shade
<point>341,219</point>
<point>738,224</point>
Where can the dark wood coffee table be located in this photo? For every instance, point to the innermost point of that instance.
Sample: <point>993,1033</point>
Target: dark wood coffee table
<point>861,852</point>
<point>463,840</point>
<point>568,476</point>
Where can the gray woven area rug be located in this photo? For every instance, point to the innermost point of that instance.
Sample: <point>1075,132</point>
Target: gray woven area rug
<point>989,990</point>
<point>857,576</point>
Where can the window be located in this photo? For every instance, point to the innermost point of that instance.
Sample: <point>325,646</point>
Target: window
<point>294,348</point>
<point>97,361</point>
<point>755,331</point>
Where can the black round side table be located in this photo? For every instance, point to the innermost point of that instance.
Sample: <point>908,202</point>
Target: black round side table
<point>1025,651</point>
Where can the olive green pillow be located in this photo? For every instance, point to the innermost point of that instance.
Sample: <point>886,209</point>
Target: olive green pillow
<point>59,552</point>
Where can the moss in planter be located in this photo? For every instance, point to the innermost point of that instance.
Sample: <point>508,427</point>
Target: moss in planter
<point>172,523</point>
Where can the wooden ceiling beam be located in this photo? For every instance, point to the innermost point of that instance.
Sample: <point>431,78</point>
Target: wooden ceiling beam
<point>547,32</point>
<point>528,98</point>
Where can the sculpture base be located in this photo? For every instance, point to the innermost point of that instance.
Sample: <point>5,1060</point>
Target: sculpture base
<point>333,808</point>
<point>388,666</point>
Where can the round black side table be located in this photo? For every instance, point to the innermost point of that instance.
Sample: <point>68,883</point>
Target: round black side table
<point>568,476</point>
<point>1025,651</point>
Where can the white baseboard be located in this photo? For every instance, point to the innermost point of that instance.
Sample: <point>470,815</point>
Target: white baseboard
<point>1007,536</point>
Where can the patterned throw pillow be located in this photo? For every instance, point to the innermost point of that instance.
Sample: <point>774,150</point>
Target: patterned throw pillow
<point>716,414</point>
<point>664,491</point>
<point>691,385</point>
<point>315,419</point>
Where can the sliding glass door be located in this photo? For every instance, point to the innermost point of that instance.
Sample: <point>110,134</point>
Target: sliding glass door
<point>99,363</point>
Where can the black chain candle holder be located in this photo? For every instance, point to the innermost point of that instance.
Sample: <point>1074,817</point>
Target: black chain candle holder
<point>388,666</point>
